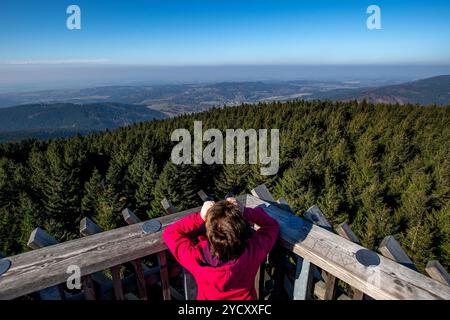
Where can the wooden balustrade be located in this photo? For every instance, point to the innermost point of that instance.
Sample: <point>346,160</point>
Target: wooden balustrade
<point>339,256</point>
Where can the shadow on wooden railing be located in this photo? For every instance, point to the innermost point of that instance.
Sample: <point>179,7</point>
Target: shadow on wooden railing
<point>309,261</point>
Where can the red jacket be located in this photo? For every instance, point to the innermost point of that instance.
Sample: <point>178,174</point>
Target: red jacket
<point>232,280</point>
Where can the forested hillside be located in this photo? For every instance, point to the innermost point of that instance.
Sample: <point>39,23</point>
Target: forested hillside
<point>384,169</point>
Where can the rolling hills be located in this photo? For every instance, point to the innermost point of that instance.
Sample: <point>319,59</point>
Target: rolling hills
<point>68,118</point>
<point>434,90</point>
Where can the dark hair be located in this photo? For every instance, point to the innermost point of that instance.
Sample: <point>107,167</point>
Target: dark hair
<point>226,230</point>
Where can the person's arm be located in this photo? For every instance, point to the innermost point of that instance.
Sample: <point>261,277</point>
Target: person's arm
<point>267,233</point>
<point>178,239</point>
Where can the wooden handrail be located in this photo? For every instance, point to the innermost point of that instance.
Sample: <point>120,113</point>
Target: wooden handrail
<point>373,274</point>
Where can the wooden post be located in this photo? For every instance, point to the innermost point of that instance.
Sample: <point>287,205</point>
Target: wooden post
<point>162,261</point>
<point>39,239</point>
<point>190,286</point>
<point>391,249</point>
<point>131,218</point>
<point>87,228</point>
<point>202,194</point>
<point>303,280</point>
<point>344,231</point>
<point>263,193</point>
<point>316,216</point>
<point>168,207</point>
<point>436,271</point>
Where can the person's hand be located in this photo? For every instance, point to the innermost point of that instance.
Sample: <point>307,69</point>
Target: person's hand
<point>206,206</point>
<point>236,202</point>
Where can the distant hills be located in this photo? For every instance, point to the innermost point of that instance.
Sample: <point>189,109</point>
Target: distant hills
<point>185,98</point>
<point>434,90</point>
<point>65,119</point>
<point>62,113</point>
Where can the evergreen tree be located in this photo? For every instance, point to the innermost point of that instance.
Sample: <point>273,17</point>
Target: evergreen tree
<point>177,183</point>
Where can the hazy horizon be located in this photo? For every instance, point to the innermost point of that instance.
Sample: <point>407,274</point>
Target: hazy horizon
<point>31,77</point>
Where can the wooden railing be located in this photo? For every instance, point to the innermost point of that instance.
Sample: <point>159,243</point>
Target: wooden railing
<point>309,261</point>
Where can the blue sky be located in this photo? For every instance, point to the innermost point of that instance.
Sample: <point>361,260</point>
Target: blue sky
<point>216,32</point>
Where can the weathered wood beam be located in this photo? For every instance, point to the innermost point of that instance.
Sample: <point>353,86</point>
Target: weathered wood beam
<point>129,216</point>
<point>88,227</point>
<point>39,239</point>
<point>202,194</point>
<point>344,231</point>
<point>168,206</point>
<point>391,249</point>
<point>375,275</point>
<point>436,271</point>
<point>162,262</point>
<point>263,193</point>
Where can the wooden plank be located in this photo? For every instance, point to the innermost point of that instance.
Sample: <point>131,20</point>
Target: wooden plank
<point>88,227</point>
<point>304,275</point>
<point>367,271</point>
<point>168,206</point>
<point>263,193</point>
<point>391,249</point>
<point>436,271</point>
<point>129,216</point>
<point>344,231</point>
<point>202,194</point>
<point>162,262</point>
<point>140,278</point>
<point>190,286</point>
<point>319,290</point>
<point>39,239</point>
<point>316,216</point>
<point>117,283</point>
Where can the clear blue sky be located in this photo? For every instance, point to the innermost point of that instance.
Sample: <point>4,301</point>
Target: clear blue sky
<point>217,32</point>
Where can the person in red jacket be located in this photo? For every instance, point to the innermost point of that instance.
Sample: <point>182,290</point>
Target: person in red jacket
<point>225,260</point>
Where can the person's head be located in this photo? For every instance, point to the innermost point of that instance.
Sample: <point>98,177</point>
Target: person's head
<point>226,230</point>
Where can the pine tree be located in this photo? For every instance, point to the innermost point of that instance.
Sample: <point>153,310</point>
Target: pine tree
<point>144,192</point>
<point>62,197</point>
<point>177,183</point>
<point>234,178</point>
